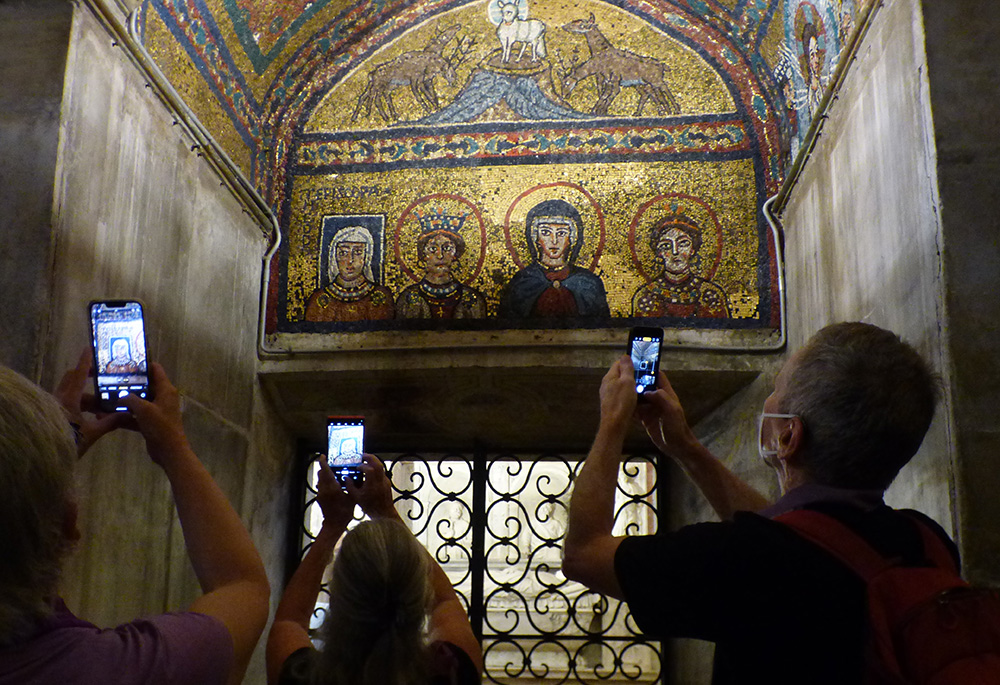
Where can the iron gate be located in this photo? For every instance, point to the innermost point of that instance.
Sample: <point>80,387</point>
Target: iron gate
<point>495,523</point>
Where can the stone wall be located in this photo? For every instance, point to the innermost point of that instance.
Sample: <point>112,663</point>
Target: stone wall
<point>33,41</point>
<point>962,56</point>
<point>862,242</point>
<point>863,232</point>
<point>139,214</point>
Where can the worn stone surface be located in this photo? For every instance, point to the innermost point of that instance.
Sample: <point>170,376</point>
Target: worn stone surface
<point>138,214</point>
<point>33,43</point>
<point>963,54</point>
<point>862,228</point>
<point>862,242</point>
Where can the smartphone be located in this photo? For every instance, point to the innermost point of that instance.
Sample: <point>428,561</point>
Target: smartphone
<point>345,443</point>
<point>644,349</point>
<point>118,338</point>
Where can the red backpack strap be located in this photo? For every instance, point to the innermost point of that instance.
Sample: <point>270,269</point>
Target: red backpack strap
<point>838,540</point>
<point>935,549</point>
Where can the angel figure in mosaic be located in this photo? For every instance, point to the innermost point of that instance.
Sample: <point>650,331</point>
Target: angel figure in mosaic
<point>439,295</point>
<point>804,78</point>
<point>552,285</point>
<point>352,293</point>
<point>678,290</point>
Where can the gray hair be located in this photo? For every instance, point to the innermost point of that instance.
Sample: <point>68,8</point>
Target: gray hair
<point>351,234</point>
<point>866,399</point>
<point>379,596</point>
<point>37,453</point>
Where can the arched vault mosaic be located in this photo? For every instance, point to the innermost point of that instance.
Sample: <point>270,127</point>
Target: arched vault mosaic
<point>501,164</point>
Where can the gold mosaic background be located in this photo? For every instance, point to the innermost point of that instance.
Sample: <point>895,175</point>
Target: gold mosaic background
<point>278,84</point>
<point>619,190</point>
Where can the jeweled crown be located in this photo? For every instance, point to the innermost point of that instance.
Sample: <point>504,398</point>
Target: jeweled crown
<point>437,220</point>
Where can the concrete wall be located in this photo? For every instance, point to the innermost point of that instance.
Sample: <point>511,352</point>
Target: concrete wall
<point>138,214</point>
<point>963,54</point>
<point>33,43</point>
<point>862,242</point>
<point>863,231</point>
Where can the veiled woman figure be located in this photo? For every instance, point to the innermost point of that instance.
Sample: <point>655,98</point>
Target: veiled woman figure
<point>351,293</point>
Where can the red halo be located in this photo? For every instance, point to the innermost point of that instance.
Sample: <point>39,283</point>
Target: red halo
<point>430,198</point>
<point>563,184</point>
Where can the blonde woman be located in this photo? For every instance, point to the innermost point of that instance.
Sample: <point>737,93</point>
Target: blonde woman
<point>393,619</point>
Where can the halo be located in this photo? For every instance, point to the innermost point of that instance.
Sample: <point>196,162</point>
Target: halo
<point>493,11</point>
<point>408,227</point>
<point>806,13</point>
<point>663,206</point>
<point>574,194</point>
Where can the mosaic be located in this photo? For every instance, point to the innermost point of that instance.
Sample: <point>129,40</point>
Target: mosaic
<point>506,164</point>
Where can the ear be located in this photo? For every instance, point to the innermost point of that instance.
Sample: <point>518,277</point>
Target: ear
<point>791,440</point>
<point>71,515</point>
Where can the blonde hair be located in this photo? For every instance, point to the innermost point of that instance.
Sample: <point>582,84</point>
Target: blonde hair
<point>37,453</point>
<point>379,596</point>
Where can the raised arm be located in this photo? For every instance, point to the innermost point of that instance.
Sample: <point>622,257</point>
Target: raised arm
<point>227,564</point>
<point>589,548</point>
<point>290,630</point>
<point>448,620</point>
<point>81,408</point>
<point>665,423</point>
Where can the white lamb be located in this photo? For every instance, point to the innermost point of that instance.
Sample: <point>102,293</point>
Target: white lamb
<point>524,31</point>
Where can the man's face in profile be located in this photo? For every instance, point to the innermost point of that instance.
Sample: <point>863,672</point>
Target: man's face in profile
<point>350,260</point>
<point>553,240</point>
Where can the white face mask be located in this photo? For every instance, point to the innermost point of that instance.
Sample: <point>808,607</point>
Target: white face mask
<point>766,454</point>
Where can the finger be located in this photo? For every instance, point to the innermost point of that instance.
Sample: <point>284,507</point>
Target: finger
<point>89,404</point>
<point>136,406</point>
<point>161,382</point>
<point>353,491</point>
<point>73,381</point>
<point>326,479</point>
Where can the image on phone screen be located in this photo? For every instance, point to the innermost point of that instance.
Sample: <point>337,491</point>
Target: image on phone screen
<point>119,343</point>
<point>645,353</point>
<point>345,438</point>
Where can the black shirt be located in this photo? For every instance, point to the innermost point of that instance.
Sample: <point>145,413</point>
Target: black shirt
<point>779,608</point>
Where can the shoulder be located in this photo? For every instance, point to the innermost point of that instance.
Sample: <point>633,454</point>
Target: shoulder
<point>298,667</point>
<point>175,648</point>
<point>583,275</point>
<point>706,579</point>
<point>450,665</point>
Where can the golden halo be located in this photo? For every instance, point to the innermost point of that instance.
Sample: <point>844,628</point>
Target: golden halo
<point>658,210</point>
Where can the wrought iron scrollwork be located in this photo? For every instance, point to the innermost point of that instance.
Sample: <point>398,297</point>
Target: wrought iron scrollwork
<point>503,552</point>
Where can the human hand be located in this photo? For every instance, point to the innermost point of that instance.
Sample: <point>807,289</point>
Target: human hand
<point>618,396</point>
<point>336,504</point>
<point>663,418</point>
<point>77,404</point>
<point>159,421</point>
<point>375,493</point>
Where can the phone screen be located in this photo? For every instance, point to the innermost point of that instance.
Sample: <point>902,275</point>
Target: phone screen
<point>345,443</point>
<point>644,349</point>
<point>119,342</point>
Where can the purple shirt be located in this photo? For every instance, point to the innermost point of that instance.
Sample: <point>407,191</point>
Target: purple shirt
<point>168,649</point>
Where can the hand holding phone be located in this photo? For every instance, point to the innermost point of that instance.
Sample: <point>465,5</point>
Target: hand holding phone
<point>118,339</point>
<point>644,350</point>
<point>345,446</point>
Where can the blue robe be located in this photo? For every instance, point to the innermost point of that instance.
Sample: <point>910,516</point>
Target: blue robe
<point>529,283</point>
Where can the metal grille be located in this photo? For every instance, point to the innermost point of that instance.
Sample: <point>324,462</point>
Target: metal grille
<point>495,523</point>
